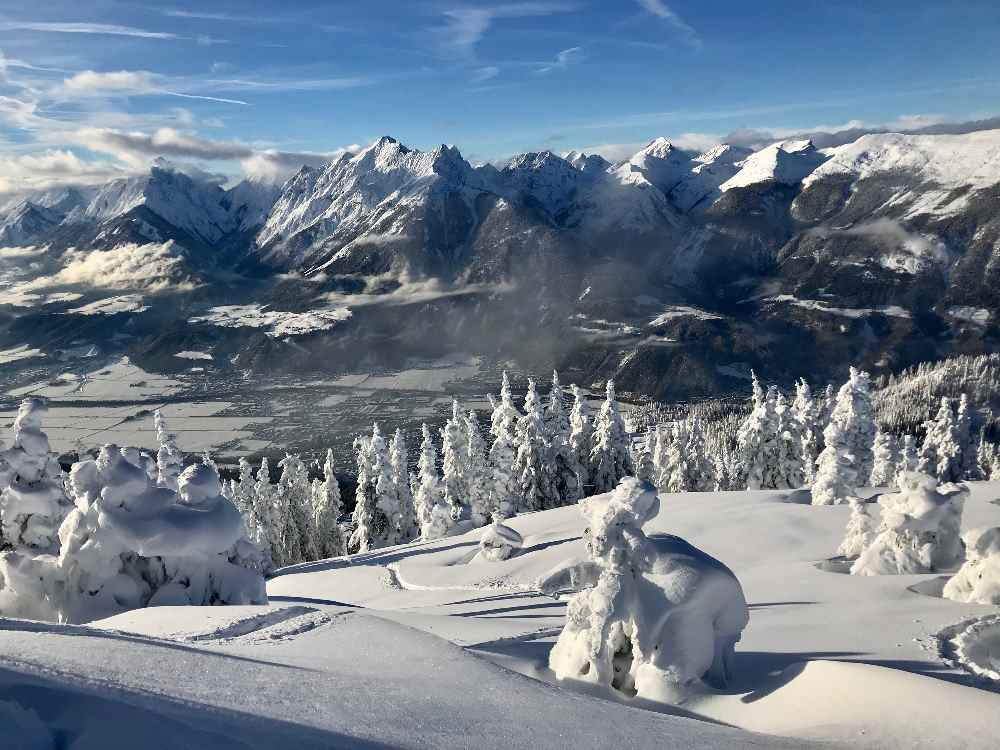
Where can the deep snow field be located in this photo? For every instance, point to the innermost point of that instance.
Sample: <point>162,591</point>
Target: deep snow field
<point>428,646</point>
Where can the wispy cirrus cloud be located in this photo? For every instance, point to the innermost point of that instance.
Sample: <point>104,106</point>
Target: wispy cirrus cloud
<point>465,26</point>
<point>125,83</point>
<point>106,29</point>
<point>563,60</point>
<point>663,11</point>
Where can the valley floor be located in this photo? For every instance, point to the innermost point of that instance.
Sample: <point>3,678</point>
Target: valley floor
<point>428,646</point>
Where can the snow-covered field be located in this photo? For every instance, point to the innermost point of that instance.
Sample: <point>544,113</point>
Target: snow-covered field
<point>427,645</point>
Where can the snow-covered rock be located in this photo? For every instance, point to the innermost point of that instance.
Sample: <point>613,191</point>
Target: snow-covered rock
<point>499,542</point>
<point>658,615</point>
<point>919,531</point>
<point>978,580</point>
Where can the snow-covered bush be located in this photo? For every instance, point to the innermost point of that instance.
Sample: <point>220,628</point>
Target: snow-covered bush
<point>978,580</point>
<point>130,543</point>
<point>919,530</point>
<point>499,542</point>
<point>32,501</point>
<point>659,614</point>
<point>861,530</point>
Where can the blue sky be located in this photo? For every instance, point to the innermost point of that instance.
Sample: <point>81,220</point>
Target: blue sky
<point>91,88</point>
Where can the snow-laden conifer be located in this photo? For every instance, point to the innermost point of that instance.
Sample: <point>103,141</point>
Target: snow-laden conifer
<point>169,460</point>
<point>327,507</point>
<point>887,458</point>
<point>406,520</point>
<point>581,428</point>
<point>433,513</point>
<point>478,472</point>
<point>565,466</point>
<point>609,455</point>
<point>455,470</point>
<point>533,471</point>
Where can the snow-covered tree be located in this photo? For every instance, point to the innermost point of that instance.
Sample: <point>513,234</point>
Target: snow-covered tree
<point>169,460</point>
<point>941,451</point>
<point>676,472</point>
<point>661,456</point>
<point>861,530</point>
<point>581,428</point>
<point>919,530</point>
<point>503,485</point>
<point>299,540</point>
<point>966,440</point>
<point>836,478</point>
<point>406,523</point>
<point>908,457</point>
<point>129,543</point>
<point>757,440</point>
<point>532,469</point>
<point>33,502</point>
<point>634,631</point>
<point>265,510</point>
<point>643,459</point>
<point>978,580</point>
<point>433,513</point>
<point>327,507</point>
<point>376,510</point>
<point>792,444</point>
<point>566,471</point>
<point>478,472</point>
<point>609,455</point>
<point>848,438</point>
<point>887,459</point>
<point>455,470</point>
<point>806,412</point>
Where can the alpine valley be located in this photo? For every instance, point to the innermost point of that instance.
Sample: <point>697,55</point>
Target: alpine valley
<point>672,272</point>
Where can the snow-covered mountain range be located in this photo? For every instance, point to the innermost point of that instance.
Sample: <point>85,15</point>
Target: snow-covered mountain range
<point>885,249</point>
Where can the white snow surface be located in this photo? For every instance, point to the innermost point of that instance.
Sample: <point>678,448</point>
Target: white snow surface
<point>125,303</point>
<point>18,353</point>
<point>786,162</point>
<point>972,159</point>
<point>194,355</point>
<point>454,651</point>
<point>279,324</point>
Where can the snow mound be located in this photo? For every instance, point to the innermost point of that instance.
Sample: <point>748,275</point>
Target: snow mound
<point>973,645</point>
<point>660,614</point>
<point>499,542</point>
<point>919,531</point>
<point>978,580</point>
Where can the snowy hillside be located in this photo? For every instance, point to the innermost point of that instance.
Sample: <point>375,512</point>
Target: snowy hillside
<point>829,658</point>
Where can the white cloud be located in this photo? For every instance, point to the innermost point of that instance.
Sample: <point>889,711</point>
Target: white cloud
<point>465,26</point>
<point>125,83</point>
<point>563,60</point>
<point>485,74</point>
<point>660,9</point>
<point>275,166</point>
<point>50,168</point>
<point>85,28</point>
<point>104,29</point>
<point>152,267</point>
<point>410,291</point>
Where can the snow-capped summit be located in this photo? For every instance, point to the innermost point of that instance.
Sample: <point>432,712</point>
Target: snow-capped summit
<point>548,179</point>
<point>195,206</point>
<point>660,163</point>
<point>700,186</point>
<point>352,192</point>
<point>785,162</point>
<point>587,162</point>
<point>971,159</point>
<point>25,221</point>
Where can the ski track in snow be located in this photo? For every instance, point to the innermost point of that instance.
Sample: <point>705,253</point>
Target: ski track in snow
<point>279,625</point>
